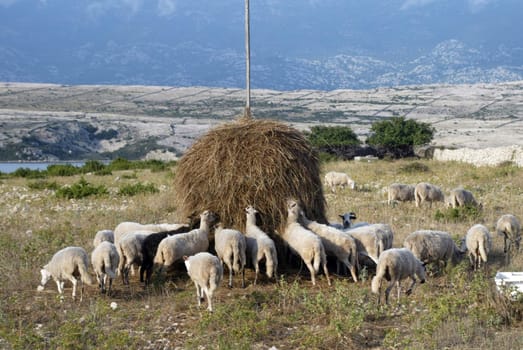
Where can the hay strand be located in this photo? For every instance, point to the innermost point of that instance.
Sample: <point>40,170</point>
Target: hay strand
<point>249,161</point>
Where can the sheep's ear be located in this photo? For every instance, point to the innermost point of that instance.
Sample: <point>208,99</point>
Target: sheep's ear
<point>185,257</point>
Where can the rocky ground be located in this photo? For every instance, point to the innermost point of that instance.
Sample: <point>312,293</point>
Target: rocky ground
<point>50,122</point>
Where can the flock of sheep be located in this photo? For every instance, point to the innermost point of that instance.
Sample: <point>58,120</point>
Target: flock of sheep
<point>162,245</point>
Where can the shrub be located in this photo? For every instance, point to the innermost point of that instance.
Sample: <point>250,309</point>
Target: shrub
<point>43,185</point>
<point>399,131</point>
<point>134,189</point>
<point>414,168</point>
<point>321,136</point>
<point>62,170</point>
<point>81,189</point>
<point>458,214</point>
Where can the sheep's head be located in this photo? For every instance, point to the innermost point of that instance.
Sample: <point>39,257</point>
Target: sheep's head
<point>46,276</point>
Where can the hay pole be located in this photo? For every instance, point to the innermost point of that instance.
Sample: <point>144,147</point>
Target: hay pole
<point>247,112</point>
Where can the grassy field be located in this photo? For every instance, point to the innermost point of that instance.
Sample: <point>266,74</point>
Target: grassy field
<point>455,309</point>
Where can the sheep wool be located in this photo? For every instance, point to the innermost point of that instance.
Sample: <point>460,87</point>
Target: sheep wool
<point>259,246</point>
<point>67,264</point>
<point>394,265</point>
<point>206,271</point>
<point>230,247</point>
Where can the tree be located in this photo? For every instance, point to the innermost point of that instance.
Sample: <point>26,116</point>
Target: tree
<point>398,132</point>
<point>321,136</point>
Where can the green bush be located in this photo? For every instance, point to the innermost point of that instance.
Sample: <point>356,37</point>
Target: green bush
<point>458,214</point>
<point>134,189</point>
<point>62,170</point>
<point>321,136</point>
<point>398,131</point>
<point>81,189</point>
<point>414,168</point>
<point>43,185</point>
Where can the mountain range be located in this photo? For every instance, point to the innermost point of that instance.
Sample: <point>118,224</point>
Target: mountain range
<point>295,44</point>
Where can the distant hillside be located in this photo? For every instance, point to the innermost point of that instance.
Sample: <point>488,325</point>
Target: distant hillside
<point>59,122</point>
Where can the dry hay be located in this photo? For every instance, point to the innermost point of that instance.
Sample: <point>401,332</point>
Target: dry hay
<point>249,161</point>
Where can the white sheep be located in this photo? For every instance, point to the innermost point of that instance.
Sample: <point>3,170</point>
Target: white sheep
<point>425,192</point>
<point>509,227</point>
<point>105,260</point>
<point>478,243</point>
<point>174,247</point>
<point>129,226</point>
<point>305,243</point>
<point>334,179</point>
<point>460,197</point>
<point>102,236</point>
<point>394,265</point>
<point>371,240</point>
<point>129,249</point>
<point>400,192</point>
<point>230,247</point>
<point>67,264</point>
<point>431,246</point>
<point>206,271</point>
<point>336,243</point>
<point>259,246</point>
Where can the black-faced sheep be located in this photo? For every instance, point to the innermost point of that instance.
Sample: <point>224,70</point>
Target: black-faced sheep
<point>335,179</point>
<point>431,246</point>
<point>305,243</point>
<point>509,227</point>
<point>230,247</point>
<point>105,260</point>
<point>206,271</point>
<point>425,192</point>
<point>69,263</point>
<point>394,265</point>
<point>259,246</point>
<point>478,243</point>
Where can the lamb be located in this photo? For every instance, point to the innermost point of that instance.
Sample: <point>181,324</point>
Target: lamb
<point>67,264</point>
<point>400,192</point>
<point>230,247</point>
<point>173,248</point>
<point>509,227</point>
<point>102,236</point>
<point>425,192</point>
<point>149,249</point>
<point>334,179</point>
<point>304,242</point>
<point>259,246</point>
<point>478,243</point>
<point>460,197</point>
<point>206,271</point>
<point>431,246</point>
<point>130,251</point>
<point>336,243</point>
<point>395,265</point>
<point>105,261</point>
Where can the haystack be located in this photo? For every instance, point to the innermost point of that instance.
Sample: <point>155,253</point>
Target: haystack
<point>249,161</point>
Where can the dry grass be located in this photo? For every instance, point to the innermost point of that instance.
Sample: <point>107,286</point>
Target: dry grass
<point>249,162</point>
<point>455,309</point>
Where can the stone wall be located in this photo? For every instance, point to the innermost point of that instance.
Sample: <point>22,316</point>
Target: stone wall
<point>482,157</point>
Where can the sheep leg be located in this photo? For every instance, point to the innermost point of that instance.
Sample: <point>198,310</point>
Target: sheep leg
<point>60,286</point>
<point>208,293</point>
<point>387,292</point>
<point>326,271</point>
<point>411,288</point>
<point>199,295</point>
<point>73,281</point>
<point>352,270</point>
<point>243,277</point>
<point>313,273</point>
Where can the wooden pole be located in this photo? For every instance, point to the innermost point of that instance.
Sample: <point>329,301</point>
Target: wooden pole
<point>247,112</point>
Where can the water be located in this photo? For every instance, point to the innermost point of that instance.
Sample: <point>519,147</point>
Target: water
<point>10,167</point>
